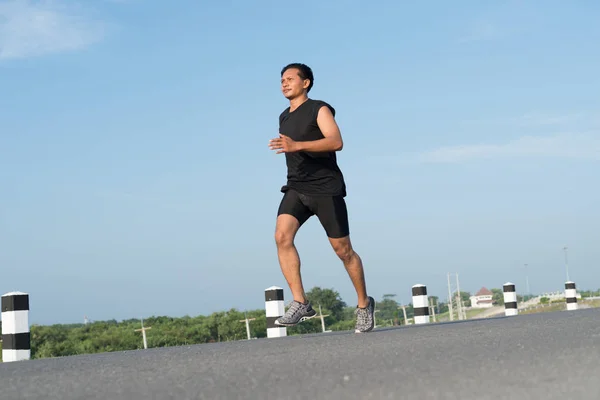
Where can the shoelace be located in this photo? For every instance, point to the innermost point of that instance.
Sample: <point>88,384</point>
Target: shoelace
<point>361,315</point>
<point>294,308</point>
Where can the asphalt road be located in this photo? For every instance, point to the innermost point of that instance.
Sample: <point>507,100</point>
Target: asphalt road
<point>540,356</point>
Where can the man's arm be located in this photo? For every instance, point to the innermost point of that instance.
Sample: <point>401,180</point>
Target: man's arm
<point>333,138</point>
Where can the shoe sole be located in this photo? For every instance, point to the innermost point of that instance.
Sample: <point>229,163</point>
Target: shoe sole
<point>306,317</point>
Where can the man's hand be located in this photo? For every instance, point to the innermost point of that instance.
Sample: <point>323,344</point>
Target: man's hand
<point>283,144</point>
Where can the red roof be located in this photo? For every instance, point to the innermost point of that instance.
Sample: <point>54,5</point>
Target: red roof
<point>484,292</point>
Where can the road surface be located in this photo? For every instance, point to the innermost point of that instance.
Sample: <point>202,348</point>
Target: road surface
<point>539,356</point>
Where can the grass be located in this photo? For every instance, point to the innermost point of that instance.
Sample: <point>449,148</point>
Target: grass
<point>545,308</point>
<point>561,306</point>
<point>474,312</point>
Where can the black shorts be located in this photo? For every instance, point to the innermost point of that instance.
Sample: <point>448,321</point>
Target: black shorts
<point>331,211</point>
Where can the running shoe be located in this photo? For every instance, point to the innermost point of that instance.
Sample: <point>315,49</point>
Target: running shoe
<point>296,313</point>
<point>364,317</point>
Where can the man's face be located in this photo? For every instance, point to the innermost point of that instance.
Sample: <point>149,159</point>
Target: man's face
<point>292,85</point>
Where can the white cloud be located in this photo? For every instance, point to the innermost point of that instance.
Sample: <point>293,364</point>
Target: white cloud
<point>574,146</point>
<point>34,28</point>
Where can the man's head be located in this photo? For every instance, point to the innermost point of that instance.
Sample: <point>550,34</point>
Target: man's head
<point>296,80</point>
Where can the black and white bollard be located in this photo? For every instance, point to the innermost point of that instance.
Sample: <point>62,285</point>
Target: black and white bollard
<point>571,295</point>
<point>420,304</point>
<point>274,308</point>
<point>16,340</point>
<point>510,300</point>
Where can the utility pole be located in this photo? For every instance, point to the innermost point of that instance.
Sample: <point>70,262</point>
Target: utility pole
<point>323,319</point>
<point>390,296</point>
<point>247,321</point>
<point>432,308</point>
<point>403,307</point>
<point>566,263</point>
<point>527,280</point>
<point>143,330</point>
<point>450,299</point>
<point>461,312</point>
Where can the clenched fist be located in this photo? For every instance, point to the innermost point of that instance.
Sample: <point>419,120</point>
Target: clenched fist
<point>283,144</point>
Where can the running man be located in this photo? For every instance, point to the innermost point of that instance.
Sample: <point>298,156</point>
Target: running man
<point>310,137</point>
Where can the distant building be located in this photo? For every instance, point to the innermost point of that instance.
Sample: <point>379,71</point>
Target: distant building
<point>482,299</point>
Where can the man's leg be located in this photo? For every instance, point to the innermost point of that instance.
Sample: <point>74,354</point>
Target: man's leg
<point>285,231</point>
<point>333,215</point>
<point>354,267</point>
<point>291,215</point>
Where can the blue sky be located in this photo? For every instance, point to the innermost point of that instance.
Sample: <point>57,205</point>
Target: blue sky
<point>136,179</point>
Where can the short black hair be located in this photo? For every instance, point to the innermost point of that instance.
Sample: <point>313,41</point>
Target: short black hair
<point>304,72</point>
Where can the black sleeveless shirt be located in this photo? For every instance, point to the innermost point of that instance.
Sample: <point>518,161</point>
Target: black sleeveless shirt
<point>310,173</point>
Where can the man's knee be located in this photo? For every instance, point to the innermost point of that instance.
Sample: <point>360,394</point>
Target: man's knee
<point>285,230</point>
<point>344,250</point>
<point>284,238</point>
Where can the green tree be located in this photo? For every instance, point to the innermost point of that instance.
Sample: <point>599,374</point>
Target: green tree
<point>330,301</point>
<point>388,309</point>
<point>465,297</point>
<point>497,297</point>
<point>440,306</point>
<point>443,308</point>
